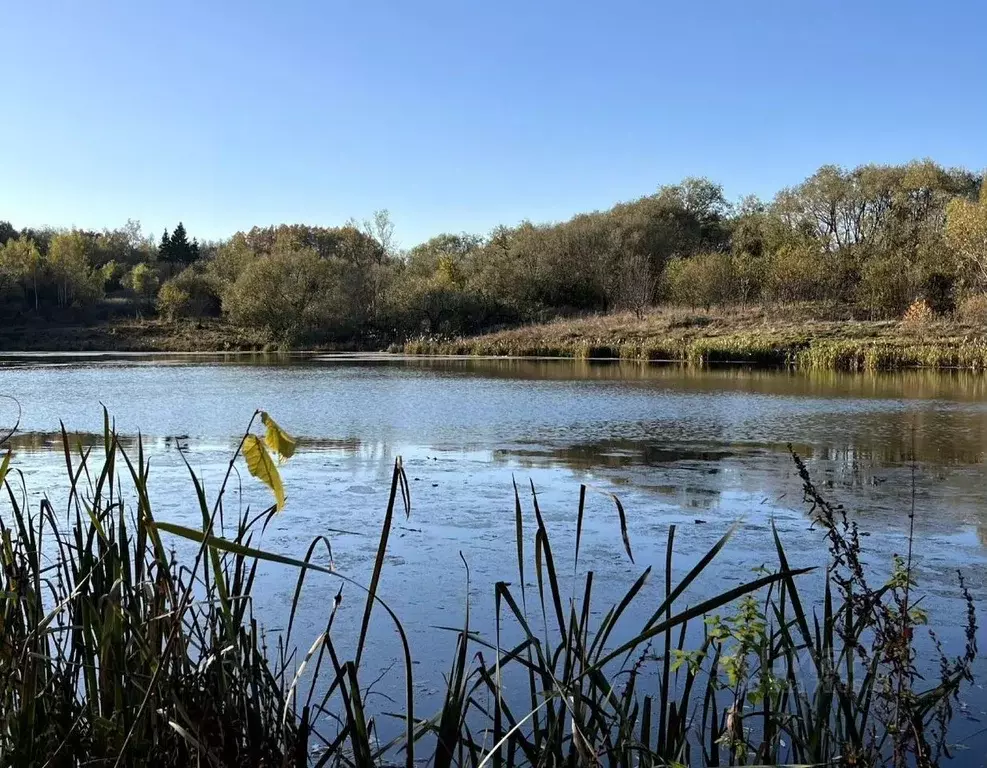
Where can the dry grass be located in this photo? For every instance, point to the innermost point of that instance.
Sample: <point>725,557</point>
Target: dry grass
<point>152,335</point>
<point>805,335</point>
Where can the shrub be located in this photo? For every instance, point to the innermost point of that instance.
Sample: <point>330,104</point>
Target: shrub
<point>973,310</point>
<point>938,289</point>
<point>701,281</point>
<point>288,294</point>
<point>795,273</point>
<point>886,286</point>
<point>188,294</point>
<point>437,305</point>
<point>918,316</point>
<point>749,273</point>
<point>142,280</point>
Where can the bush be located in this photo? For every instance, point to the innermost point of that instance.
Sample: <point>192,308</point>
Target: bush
<point>795,273</point>
<point>142,280</point>
<point>441,305</point>
<point>886,286</point>
<point>701,281</point>
<point>749,272</point>
<point>918,316</point>
<point>288,294</point>
<point>938,290</point>
<point>973,310</point>
<point>189,294</point>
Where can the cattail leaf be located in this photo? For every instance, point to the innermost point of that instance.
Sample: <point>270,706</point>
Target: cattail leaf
<point>262,466</point>
<point>279,441</point>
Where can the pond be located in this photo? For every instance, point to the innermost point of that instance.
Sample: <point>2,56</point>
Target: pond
<point>697,449</point>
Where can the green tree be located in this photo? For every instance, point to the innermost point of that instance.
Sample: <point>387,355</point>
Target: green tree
<point>111,274</point>
<point>7,232</point>
<point>290,294</point>
<point>42,237</point>
<point>74,278</point>
<point>422,260</point>
<point>179,247</point>
<point>192,293</point>
<point>176,250</point>
<point>143,281</point>
<point>232,257</point>
<point>20,261</point>
<point>164,248</point>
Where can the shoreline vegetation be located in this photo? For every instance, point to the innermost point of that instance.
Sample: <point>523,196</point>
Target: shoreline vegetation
<point>118,652</point>
<point>890,260</point>
<point>803,337</point>
<point>798,337</point>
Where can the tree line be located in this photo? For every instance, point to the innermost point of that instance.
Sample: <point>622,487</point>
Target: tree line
<point>868,242</point>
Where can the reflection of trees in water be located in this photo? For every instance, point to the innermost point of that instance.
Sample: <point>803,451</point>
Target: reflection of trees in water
<point>615,453</point>
<point>936,436</point>
<point>873,478</point>
<point>919,384</point>
<point>32,442</point>
<point>690,478</point>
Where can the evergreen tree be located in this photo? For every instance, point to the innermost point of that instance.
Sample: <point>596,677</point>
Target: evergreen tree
<point>165,250</point>
<point>7,232</point>
<point>181,249</point>
<point>193,250</point>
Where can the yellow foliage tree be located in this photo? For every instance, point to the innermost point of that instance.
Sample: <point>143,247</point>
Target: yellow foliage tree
<point>966,232</point>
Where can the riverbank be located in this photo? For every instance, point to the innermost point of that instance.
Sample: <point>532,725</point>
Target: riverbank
<point>800,338</point>
<point>152,335</point>
<point>803,337</point>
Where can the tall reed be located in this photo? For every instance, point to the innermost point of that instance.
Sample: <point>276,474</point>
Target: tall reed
<point>114,652</point>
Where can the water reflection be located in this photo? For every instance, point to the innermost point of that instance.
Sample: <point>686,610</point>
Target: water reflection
<point>36,441</point>
<point>689,438</point>
<point>910,384</point>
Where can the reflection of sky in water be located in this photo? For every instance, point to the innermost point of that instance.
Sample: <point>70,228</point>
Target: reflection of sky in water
<point>694,449</point>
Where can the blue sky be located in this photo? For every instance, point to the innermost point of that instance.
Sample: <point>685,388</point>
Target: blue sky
<point>462,114</point>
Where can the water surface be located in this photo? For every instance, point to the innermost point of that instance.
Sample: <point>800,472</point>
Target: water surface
<point>680,446</point>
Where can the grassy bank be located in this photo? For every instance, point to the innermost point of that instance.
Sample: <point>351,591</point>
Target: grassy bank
<point>153,335</point>
<point>116,653</point>
<point>804,337</point>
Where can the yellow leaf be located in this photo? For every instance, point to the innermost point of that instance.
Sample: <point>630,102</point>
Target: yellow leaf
<point>276,438</point>
<point>262,466</point>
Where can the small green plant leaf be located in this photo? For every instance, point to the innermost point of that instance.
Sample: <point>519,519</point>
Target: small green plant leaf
<point>279,441</point>
<point>262,466</point>
<point>5,466</point>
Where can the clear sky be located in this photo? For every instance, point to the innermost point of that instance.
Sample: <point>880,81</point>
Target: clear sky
<point>462,114</point>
